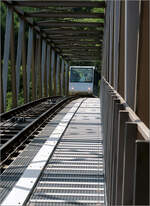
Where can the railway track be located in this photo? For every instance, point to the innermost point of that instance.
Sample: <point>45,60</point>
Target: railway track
<point>19,125</point>
<point>62,164</point>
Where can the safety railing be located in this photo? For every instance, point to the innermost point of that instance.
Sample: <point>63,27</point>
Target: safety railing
<point>126,151</point>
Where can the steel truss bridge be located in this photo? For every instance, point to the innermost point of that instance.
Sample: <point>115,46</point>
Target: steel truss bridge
<point>62,150</point>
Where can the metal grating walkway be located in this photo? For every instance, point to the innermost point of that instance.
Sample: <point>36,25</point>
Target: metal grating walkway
<point>75,173</point>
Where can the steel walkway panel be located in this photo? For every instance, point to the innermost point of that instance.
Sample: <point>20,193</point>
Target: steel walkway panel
<point>75,173</point>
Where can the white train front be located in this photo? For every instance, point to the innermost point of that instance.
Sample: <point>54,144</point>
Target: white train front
<point>81,80</point>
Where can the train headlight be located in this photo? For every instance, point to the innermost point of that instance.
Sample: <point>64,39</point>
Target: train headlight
<point>89,88</point>
<point>72,88</point>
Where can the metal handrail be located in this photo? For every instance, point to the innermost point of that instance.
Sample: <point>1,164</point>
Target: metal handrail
<point>142,128</point>
<point>126,150</point>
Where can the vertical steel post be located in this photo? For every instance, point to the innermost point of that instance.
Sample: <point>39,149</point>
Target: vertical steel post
<point>1,87</point>
<point>19,55</point>
<point>57,74</point>
<point>111,42</point>
<point>131,37</point>
<point>116,41</point>
<point>142,97</point>
<point>24,68</point>
<point>121,72</point>
<point>33,70</point>
<point>43,63</point>
<point>123,118</point>
<point>62,77</point>
<point>48,69</point>
<point>106,43</point>
<point>54,73</point>
<point>118,107</point>
<point>52,69</point>
<point>1,84</point>
<point>13,69</point>
<point>29,60</point>
<point>36,64</point>
<point>109,136</point>
<point>128,163</point>
<point>66,73</point>
<point>50,73</point>
<point>39,66</point>
<point>6,53</point>
<point>142,173</point>
<point>67,79</point>
<point>45,73</point>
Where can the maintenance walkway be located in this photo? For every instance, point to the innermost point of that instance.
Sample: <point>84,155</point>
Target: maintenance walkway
<point>67,167</point>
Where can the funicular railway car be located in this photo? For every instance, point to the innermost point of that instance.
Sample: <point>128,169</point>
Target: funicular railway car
<point>81,80</point>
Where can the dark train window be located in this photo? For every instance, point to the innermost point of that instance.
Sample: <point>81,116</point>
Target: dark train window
<point>81,75</point>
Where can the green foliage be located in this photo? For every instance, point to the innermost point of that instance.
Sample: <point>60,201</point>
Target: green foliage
<point>86,20</point>
<point>9,96</point>
<point>9,101</point>
<point>9,85</point>
<point>98,10</point>
<point>20,98</point>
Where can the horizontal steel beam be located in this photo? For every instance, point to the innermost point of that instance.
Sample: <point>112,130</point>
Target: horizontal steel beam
<point>80,53</point>
<point>59,3</point>
<point>68,24</point>
<point>83,55</point>
<point>80,49</point>
<point>63,46</point>
<point>73,41</point>
<point>72,31</point>
<point>57,36</point>
<point>75,34</point>
<point>79,56</point>
<point>76,38</point>
<point>75,55</point>
<point>84,59</point>
<point>48,14</point>
<point>68,35</point>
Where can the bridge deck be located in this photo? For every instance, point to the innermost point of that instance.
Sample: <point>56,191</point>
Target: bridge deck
<point>74,174</point>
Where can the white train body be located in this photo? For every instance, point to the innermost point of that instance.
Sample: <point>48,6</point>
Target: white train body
<point>81,80</point>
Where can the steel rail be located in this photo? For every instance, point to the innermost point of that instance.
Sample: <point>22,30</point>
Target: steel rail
<point>19,109</point>
<point>25,132</point>
<point>28,137</point>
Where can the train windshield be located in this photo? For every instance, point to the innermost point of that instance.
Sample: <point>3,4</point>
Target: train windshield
<point>81,75</point>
